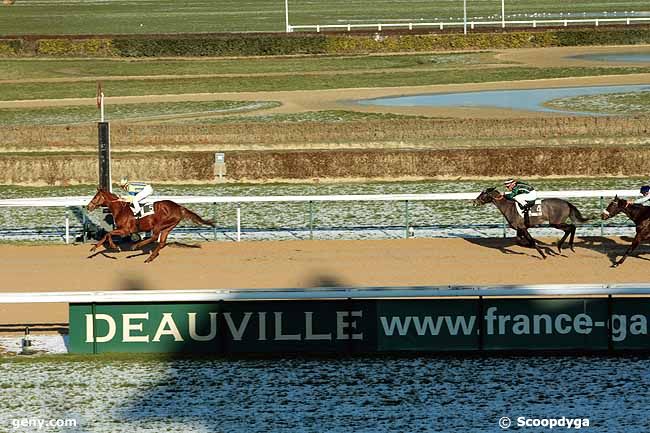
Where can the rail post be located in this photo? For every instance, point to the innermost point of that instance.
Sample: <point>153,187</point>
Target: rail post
<point>406,219</point>
<point>311,219</point>
<point>84,223</point>
<point>214,218</point>
<point>238,222</point>
<point>67,227</point>
<point>602,222</point>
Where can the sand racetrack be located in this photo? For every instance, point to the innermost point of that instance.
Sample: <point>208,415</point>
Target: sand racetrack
<point>303,264</point>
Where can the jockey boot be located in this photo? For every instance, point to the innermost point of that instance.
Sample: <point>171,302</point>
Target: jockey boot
<point>526,210</point>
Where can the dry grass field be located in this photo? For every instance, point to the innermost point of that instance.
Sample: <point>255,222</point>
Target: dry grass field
<point>43,146</point>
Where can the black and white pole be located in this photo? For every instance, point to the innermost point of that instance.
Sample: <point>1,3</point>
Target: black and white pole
<point>104,144</point>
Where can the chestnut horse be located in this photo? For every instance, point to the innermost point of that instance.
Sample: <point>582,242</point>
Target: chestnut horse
<point>167,215</point>
<point>639,214</point>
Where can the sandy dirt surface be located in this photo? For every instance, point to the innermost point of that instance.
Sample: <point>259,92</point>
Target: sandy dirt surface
<point>303,264</point>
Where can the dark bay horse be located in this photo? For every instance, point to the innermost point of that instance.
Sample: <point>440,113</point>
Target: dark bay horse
<point>167,215</point>
<point>639,214</point>
<point>555,212</point>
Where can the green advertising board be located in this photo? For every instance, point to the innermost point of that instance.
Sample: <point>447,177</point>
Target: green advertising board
<point>630,324</point>
<point>545,324</point>
<point>363,325</point>
<point>427,325</point>
<point>221,327</point>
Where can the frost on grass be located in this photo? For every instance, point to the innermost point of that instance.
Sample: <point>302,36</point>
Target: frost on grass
<point>324,395</point>
<point>617,103</point>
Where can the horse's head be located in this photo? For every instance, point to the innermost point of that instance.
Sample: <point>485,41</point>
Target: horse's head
<point>614,208</point>
<point>100,199</point>
<point>486,196</point>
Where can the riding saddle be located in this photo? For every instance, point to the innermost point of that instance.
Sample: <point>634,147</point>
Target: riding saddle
<point>534,208</point>
<point>146,209</point>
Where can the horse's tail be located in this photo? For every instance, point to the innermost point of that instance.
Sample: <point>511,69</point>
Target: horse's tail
<point>575,214</point>
<point>188,214</point>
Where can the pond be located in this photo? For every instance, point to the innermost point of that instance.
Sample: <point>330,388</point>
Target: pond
<point>632,57</point>
<point>525,99</point>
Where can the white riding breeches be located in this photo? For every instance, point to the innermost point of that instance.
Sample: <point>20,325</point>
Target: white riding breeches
<point>146,192</point>
<point>521,199</point>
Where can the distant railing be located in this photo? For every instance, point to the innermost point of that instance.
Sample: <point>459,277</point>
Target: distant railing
<point>81,201</point>
<point>471,24</point>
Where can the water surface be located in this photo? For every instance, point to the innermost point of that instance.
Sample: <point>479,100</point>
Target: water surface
<point>525,99</point>
<point>635,57</point>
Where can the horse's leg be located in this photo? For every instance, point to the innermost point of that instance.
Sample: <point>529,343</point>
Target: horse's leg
<point>152,238</point>
<point>567,231</point>
<point>98,244</point>
<point>573,233</point>
<point>117,232</point>
<point>534,244</point>
<point>635,243</point>
<point>522,239</point>
<point>163,242</point>
<point>109,237</point>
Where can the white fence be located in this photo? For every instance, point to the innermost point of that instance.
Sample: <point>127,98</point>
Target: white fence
<point>472,24</point>
<point>327,293</point>
<point>210,199</point>
<point>81,201</point>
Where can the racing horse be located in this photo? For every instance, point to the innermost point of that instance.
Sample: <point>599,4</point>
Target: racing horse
<point>639,214</point>
<point>166,216</point>
<point>555,212</point>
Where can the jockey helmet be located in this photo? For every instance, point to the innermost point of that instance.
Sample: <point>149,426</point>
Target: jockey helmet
<point>645,189</point>
<point>509,181</point>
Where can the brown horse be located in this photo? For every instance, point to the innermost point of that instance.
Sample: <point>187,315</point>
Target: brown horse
<point>167,215</point>
<point>639,214</point>
<point>555,212</point>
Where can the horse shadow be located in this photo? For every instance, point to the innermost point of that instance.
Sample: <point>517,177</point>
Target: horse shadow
<point>612,249</point>
<point>505,245</point>
<point>600,244</point>
<point>126,245</point>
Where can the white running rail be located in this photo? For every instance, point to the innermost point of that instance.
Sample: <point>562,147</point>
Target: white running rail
<point>553,290</point>
<point>81,201</point>
<point>471,24</point>
<point>84,200</point>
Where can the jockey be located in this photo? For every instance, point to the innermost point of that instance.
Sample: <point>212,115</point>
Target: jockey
<point>522,193</point>
<point>645,196</point>
<point>137,191</point>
